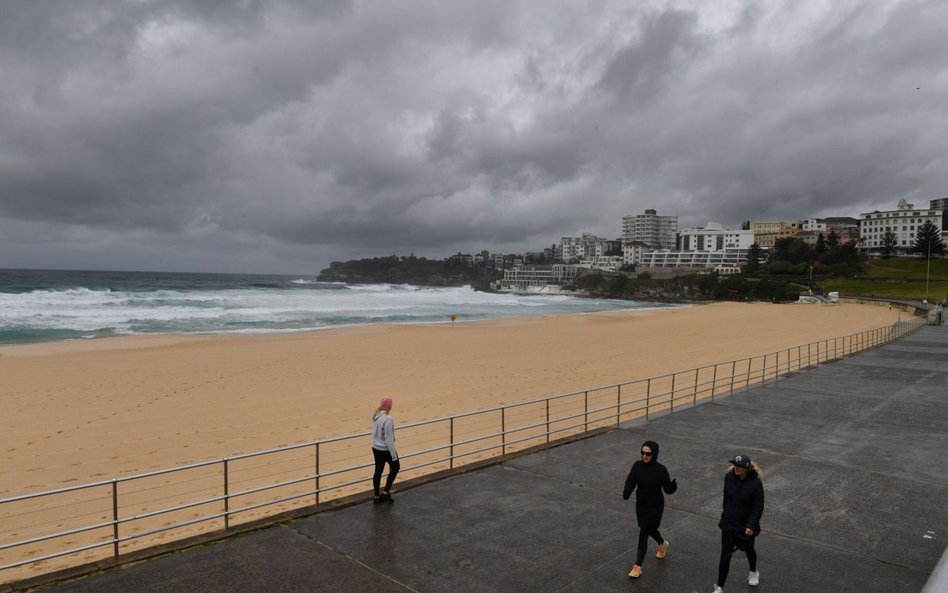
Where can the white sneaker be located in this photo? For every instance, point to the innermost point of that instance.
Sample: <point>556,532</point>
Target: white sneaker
<point>753,579</point>
<point>717,589</point>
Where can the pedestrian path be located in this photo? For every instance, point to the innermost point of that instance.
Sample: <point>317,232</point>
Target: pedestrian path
<point>856,481</point>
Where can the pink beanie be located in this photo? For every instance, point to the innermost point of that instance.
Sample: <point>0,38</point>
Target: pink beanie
<point>386,403</point>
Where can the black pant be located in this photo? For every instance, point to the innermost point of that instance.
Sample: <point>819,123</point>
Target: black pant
<point>643,542</point>
<point>381,458</point>
<point>729,543</point>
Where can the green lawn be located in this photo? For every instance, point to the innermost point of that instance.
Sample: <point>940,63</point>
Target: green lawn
<point>896,277</point>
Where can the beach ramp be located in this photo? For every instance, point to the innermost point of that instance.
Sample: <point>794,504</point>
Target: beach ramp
<point>853,454</point>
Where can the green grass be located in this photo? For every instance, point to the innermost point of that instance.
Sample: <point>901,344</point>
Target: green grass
<point>900,277</point>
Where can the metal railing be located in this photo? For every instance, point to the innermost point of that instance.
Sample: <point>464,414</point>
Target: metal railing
<point>105,519</point>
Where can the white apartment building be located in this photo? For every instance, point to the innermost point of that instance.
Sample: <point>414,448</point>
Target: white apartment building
<point>521,278</point>
<point>657,232</point>
<point>814,224</point>
<point>904,222</point>
<point>665,258</point>
<point>713,237</point>
<point>605,263</point>
<point>632,252</point>
<point>585,247</point>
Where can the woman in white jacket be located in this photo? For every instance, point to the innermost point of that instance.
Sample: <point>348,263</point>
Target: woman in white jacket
<point>383,449</point>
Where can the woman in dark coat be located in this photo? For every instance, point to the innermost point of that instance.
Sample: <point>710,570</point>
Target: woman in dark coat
<point>740,517</point>
<point>651,478</point>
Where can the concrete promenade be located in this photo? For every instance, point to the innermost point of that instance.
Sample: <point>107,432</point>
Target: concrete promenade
<point>855,472</point>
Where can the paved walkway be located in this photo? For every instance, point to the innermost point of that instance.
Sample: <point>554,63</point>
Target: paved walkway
<point>855,475</point>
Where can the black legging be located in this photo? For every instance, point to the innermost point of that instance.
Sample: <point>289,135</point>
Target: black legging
<point>381,458</point>
<point>729,543</point>
<point>643,542</point>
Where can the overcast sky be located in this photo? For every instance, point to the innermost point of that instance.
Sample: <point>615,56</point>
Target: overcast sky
<point>277,136</point>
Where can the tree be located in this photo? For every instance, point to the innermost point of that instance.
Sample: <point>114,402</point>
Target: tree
<point>832,240</point>
<point>820,244</point>
<point>928,240</point>
<point>753,258</point>
<point>746,225</point>
<point>792,250</point>
<point>887,244</point>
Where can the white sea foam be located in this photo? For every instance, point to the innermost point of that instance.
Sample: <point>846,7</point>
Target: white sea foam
<point>253,310</point>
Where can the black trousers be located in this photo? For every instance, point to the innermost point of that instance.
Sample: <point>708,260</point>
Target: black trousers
<point>381,458</point>
<point>644,534</point>
<point>730,543</point>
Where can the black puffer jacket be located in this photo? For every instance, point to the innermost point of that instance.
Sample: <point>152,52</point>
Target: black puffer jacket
<point>743,503</point>
<point>650,479</point>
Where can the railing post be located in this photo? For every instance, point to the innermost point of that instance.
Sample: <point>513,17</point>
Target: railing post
<point>115,519</point>
<point>648,396</point>
<point>548,420</point>
<point>714,381</point>
<point>733,372</point>
<point>317,468</point>
<point>586,411</point>
<point>227,496</point>
<point>503,430</point>
<point>672,399</point>
<point>694,398</point>
<point>618,403</point>
<point>451,459</point>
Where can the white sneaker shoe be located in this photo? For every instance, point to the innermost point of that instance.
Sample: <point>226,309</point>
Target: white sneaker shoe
<point>753,579</point>
<point>717,589</point>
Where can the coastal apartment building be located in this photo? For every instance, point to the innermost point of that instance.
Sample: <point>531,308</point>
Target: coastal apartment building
<point>574,249</point>
<point>713,237</point>
<point>531,278</point>
<point>657,232</point>
<point>904,222</point>
<point>724,259</point>
<point>709,247</point>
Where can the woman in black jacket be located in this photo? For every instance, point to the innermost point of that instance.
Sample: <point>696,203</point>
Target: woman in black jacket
<point>651,478</point>
<point>740,519</point>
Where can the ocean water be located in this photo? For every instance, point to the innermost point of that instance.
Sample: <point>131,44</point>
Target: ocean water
<point>45,305</point>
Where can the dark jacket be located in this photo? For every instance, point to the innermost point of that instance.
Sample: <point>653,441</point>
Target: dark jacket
<point>650,479</point>
<point>743,503</point>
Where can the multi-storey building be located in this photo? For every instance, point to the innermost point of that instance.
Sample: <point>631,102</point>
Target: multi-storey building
<point>903,222</point>
<point>657,232</point>
<point>664,258</point>
<point>767,232</point>
<point>713,237</point>
<point>525,278</point>
<point>939,204</point>
<point>588,246</point>
<point>632,252</point>
<point>709,247</point>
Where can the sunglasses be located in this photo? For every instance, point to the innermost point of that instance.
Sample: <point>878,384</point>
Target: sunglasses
<point>646,453</point>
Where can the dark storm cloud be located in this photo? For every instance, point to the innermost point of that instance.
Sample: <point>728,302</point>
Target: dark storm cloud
<point>278,133</point>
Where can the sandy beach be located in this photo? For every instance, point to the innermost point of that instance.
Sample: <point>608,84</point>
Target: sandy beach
<point>88,411</point>
<point>76,412</point>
